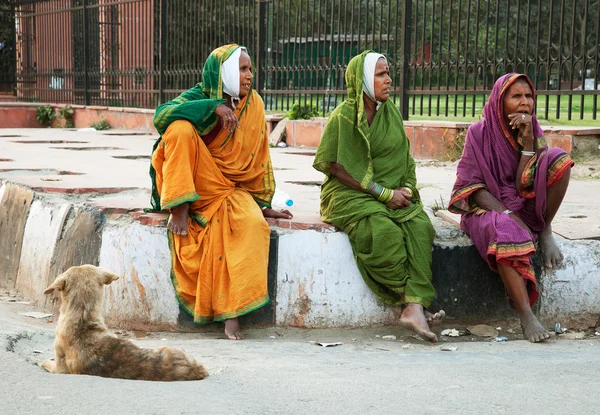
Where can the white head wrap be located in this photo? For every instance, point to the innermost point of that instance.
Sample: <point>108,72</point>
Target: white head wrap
<point>230,74</point>
<point>369,73</point>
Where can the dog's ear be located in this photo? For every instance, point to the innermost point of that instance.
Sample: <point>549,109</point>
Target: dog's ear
<point>108,277</point>
<point>58,285</point>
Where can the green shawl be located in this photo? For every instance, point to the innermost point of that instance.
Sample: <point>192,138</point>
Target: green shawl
<point>196,105</point>
<point>379,152</point>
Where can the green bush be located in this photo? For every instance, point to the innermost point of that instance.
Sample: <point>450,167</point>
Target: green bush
<point>101,125</point>
<point>66,113</point>
<point>302,112</point>
<point>45,114</point>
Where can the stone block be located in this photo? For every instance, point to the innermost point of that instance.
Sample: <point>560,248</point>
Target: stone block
<point>14,209</point>
<point>43,230</point>
<point>78,244</point>
<point>143,298</point>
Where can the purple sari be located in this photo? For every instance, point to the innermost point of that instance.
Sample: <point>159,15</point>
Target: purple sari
<point>490,161</point>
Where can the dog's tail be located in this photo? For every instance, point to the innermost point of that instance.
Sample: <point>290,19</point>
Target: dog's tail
<point>178,366</point>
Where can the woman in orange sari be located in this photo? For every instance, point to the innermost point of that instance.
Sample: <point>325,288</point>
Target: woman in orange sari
<point>211,169</point>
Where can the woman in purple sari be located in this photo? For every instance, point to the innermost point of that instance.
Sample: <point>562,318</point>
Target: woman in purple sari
<point>508,188</point>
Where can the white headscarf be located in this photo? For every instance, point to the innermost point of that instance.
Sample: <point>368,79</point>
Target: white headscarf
<point>369,73</point>
<point>230,75</point>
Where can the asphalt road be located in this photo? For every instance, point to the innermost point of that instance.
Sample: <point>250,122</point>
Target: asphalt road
<point>280,371</point>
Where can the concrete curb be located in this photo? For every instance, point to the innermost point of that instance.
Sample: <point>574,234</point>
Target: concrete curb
<point>313,279</point>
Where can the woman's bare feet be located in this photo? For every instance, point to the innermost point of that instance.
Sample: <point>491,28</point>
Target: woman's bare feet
<point>433,319</point>
<point>551,254</point>
<point>232,329</point>
<point>532,329</point>
<point>178,221</point>
<point>413,317</point>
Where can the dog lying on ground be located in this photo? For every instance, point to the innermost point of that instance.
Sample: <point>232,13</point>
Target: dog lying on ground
<point>83,344</point>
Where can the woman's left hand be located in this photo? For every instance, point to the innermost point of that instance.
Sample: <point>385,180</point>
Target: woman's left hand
<point>277,214</point>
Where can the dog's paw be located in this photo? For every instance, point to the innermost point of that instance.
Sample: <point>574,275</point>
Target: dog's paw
<point>48,365</point>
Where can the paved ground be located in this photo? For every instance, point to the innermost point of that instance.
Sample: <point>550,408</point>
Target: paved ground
<point>279,371</point>
<point>111,169</point>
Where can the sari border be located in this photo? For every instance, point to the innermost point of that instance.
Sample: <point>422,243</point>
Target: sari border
<point>558,168</point>
<point>462,194</point>
<point>188,197</point>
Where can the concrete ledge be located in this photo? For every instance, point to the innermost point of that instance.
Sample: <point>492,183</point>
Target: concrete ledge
<point>22,115</point>
<point>313,279</point>
<point>14,209</point>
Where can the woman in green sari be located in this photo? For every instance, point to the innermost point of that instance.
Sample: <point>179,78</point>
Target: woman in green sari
<point>370,192</point>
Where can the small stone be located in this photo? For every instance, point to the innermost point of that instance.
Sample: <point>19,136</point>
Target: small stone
<point>448,348</point>
<point>36,314</point>
<point>390,337</point>
<point>499,328</point>
<point>510,330</point>
<point>450,332</point>
<point>272,337</point>
<point>406,346</point>
<point>573,336</point>
<point>483,330</point>
<point>377,335</point>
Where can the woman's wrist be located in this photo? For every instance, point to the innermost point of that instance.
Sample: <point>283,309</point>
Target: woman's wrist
<point>380,193</point>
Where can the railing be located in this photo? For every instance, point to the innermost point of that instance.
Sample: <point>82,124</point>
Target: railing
<point>7,49</point>
<point>444,54</point>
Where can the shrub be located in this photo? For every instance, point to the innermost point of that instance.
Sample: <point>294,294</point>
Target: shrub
<point>302,112</point>
<point>45,114</point>
<point>66,113</point>
<point>101,125</point>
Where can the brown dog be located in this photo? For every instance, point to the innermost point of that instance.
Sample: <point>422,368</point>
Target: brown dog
<point>84,345</point>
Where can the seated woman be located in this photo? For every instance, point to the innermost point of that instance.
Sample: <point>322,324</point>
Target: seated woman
<point>370,192</point>
<point>508,188</point>
<point>212,169</point>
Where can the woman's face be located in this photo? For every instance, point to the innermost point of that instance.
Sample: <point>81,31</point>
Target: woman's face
<point>382,80</point>
<point>518,98</point>
<point>245,74</point>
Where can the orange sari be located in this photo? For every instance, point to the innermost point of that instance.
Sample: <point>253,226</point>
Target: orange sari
<point>219,269</point>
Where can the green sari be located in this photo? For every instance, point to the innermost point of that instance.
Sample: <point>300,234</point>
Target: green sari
<point>392,247</point>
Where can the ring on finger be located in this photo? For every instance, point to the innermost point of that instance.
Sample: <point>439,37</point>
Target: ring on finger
<point>523,117</point>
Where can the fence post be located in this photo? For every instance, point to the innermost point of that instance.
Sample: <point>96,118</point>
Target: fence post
<point>86,94</point>
<point>163,50</point>
<point>405,57</point>
<point>261,46</point>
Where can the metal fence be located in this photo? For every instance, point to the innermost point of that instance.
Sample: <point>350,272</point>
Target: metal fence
<point>444,54</point>
<point>7,49</point>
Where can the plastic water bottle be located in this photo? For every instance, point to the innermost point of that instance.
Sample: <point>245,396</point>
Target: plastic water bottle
<point>281,199</point>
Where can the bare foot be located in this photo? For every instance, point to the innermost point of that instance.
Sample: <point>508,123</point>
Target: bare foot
<point>413,317</point>
<point>232,329</point>
<point>551,254</point>
<point>433,319</point>
<point>178,221</point>
<point>532,329</point>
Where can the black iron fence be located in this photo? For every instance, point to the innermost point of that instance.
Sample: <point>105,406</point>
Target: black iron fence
<point>7,48</point>
<point>444,54</point>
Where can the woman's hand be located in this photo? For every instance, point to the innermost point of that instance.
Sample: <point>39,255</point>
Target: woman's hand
<point>230,121</point>
<point>406,192</point>
<point>522,122</point>
<point>277,214</point>
<point>398,200</point>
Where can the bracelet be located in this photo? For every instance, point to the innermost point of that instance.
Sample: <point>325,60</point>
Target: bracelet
<point>410,192</point>
<point>382,194</point>
<point>263,207</point>
<point>528,153</point>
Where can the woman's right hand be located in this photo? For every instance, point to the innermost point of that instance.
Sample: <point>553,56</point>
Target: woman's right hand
<point>398,201</point>
<point>230,121</point>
